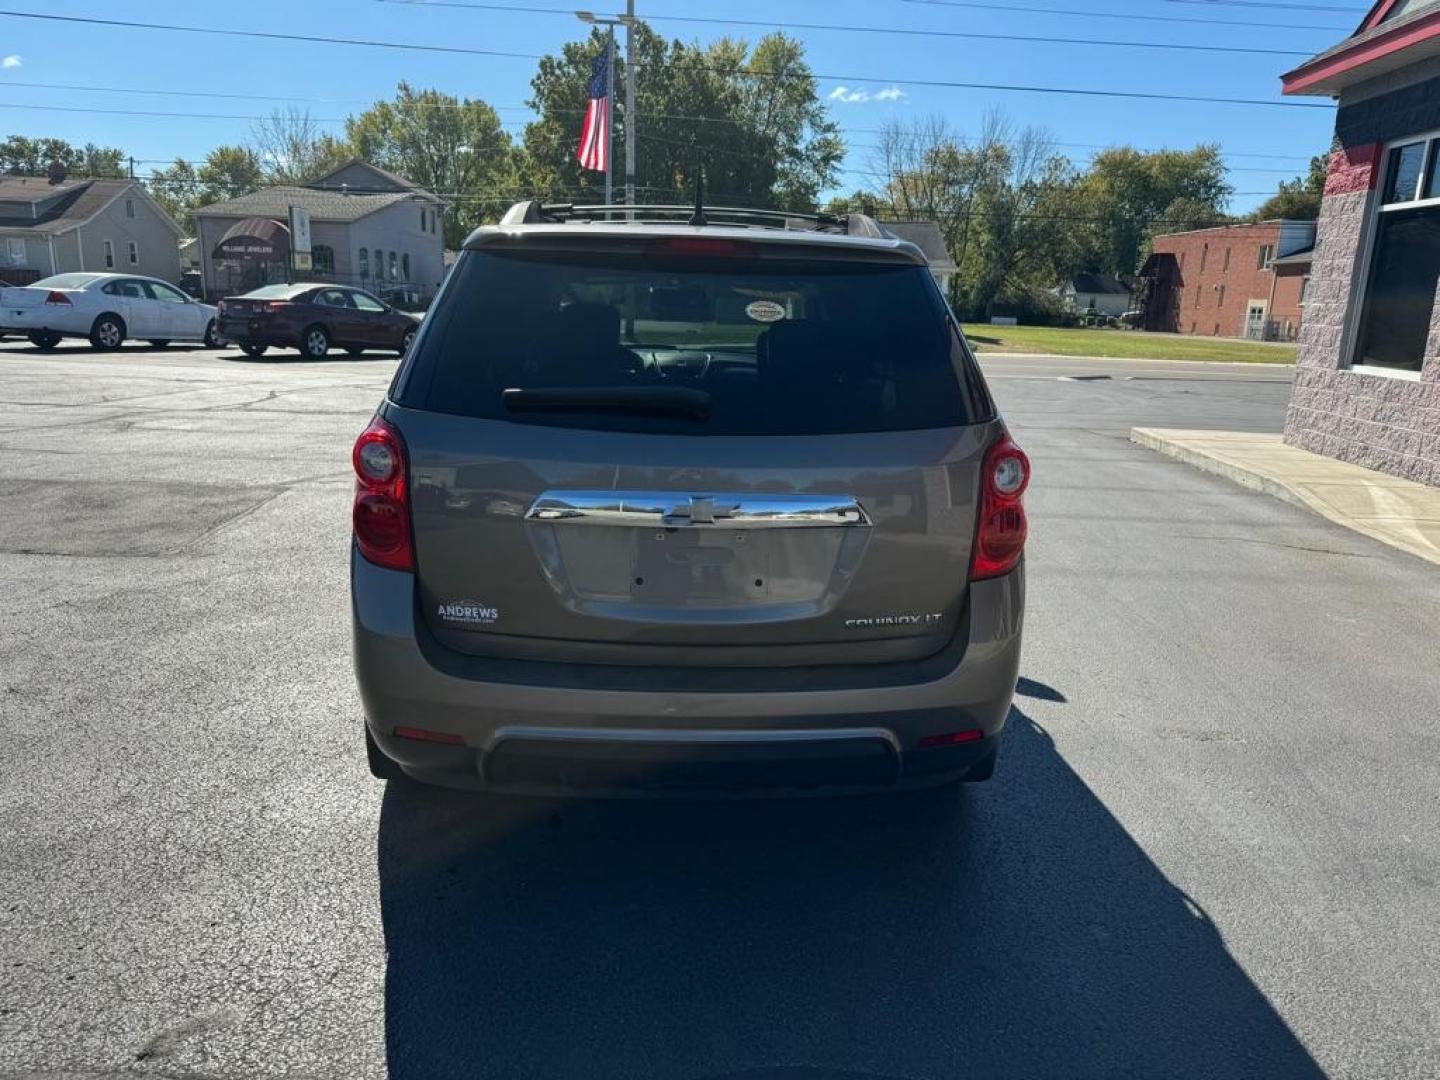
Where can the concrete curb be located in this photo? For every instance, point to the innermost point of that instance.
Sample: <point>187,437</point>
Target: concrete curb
<point>1419,536</point>
<point>998,354</point>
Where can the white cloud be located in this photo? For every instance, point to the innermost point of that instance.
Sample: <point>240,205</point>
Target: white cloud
<point>847,96</point>
<point>11,61</point>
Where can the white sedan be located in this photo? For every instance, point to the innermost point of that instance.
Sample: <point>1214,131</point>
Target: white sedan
<point>106,308</point>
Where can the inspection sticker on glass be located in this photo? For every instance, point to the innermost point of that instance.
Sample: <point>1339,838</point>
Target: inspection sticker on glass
<point>765,311</point>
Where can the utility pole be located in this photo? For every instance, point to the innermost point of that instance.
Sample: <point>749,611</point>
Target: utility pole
<point>630,134</point>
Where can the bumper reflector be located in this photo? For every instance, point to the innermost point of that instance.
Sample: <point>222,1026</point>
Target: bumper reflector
<point>950,738</point>
<point>421,735</point>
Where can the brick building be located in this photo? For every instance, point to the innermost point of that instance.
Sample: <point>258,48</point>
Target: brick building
<point>1367,388</point>
<point>1230,281</point>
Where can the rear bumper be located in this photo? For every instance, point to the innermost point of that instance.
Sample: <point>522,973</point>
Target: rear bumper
<point>245,337</point>
<point>548,728</point>
<point>35,320</point>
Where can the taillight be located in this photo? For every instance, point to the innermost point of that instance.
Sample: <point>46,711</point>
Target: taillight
<point>273,306</point>
<point>1000,537</point>
<point>381,514</point>
<point>57,297</point>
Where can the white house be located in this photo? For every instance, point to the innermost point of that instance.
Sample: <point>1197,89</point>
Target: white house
<point>60,225</point>
<point>1099,293</point>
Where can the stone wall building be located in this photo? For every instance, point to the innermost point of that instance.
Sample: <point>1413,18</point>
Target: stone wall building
<point>1367,388</point>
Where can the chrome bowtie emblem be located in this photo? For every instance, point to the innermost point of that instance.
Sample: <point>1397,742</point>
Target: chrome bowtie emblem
<point>700,510</point>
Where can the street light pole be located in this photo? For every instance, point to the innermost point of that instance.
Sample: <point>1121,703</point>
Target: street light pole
<point>630,133</point>
<point>628,21</point>
<point>610,116</point>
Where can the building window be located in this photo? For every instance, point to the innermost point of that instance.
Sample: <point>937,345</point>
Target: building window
<point>1225,262</point>
<point>1304,287</point>
<point>424,221</point>
<point>364,263</point>
<point>15,249</point>
<point>1267,256</point>
<point>1220,297</point>
<point>133,250</point>
<point>1204,254</point>
<point>405,266</point>
<point>109,255</point>
<point>379,265</point>
<point>1404,269</point>
<point>322,258</point>
<point>394,267</point>
<point>130,208</point>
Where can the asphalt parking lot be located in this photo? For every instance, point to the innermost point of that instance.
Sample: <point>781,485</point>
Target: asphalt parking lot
<point>1212,848</point>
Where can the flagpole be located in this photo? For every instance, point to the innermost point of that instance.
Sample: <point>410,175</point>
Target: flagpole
<point>610,118</point>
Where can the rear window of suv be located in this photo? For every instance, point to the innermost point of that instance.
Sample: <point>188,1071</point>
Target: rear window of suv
<point>747,346</point>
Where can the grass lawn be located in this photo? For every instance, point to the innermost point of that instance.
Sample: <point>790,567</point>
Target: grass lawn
<point>1122,343</point>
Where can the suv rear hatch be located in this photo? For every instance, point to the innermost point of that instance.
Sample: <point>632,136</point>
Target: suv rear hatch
<point>695,450</point>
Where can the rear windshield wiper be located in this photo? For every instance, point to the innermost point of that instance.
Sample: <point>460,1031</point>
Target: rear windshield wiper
<point>652,400</point>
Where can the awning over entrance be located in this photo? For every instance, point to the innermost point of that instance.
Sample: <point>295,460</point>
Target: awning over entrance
<point>257,239</point>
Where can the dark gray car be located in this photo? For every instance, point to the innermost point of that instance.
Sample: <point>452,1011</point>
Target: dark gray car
<point>655,506</point>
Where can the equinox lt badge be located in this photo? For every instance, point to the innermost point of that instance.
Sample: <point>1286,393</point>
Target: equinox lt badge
<point>893,620</point>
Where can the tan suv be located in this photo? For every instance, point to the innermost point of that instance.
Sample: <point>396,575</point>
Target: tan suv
<point>711,506</point>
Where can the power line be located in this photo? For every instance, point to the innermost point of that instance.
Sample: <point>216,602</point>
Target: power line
<point>1129,16</point>
<point>520,194</point>
<point>1267,4</point>
<point>853,29</point>
<point>1136,95</point>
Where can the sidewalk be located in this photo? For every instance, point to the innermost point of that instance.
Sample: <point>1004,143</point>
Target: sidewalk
<point>1397,512</point>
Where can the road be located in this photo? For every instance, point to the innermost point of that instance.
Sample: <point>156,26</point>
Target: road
<point>1212,849</point>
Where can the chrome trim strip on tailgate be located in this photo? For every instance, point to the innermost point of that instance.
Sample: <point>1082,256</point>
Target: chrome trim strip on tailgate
<point>670,509</point>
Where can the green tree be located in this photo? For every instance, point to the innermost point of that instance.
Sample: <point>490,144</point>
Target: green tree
<point>447,145</point>
<point>229,172</point>
<point>1129,195</point>
<point>226,173</point>
<point>1297,199</point>
<point>750,117</point>
<point>177,188</point>
<point>25,156</point>
<point>291,148</point>
<point>1002,199</point>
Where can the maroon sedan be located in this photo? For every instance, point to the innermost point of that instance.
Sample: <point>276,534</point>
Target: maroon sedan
<point>312,318</point>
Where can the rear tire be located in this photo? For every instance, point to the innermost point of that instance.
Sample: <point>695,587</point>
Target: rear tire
<point>406,341</point>
<point>162,343</point>
<point>381,767</point>
<point>210,341</point>
<point>43,341</point>
<point>108,333</point>
<point>254,350</point>
<point>315,343</point>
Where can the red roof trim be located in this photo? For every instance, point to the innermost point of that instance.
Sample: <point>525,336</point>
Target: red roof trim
<point>1377,14</point>
<point>1361,53</point>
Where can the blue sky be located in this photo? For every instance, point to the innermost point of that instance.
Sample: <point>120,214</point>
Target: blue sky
<point>1263,144</point>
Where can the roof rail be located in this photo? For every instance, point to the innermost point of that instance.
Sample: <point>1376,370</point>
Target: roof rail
<point>534,212</point>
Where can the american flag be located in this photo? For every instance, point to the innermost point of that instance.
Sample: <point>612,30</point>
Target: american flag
<point>594,149</point>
